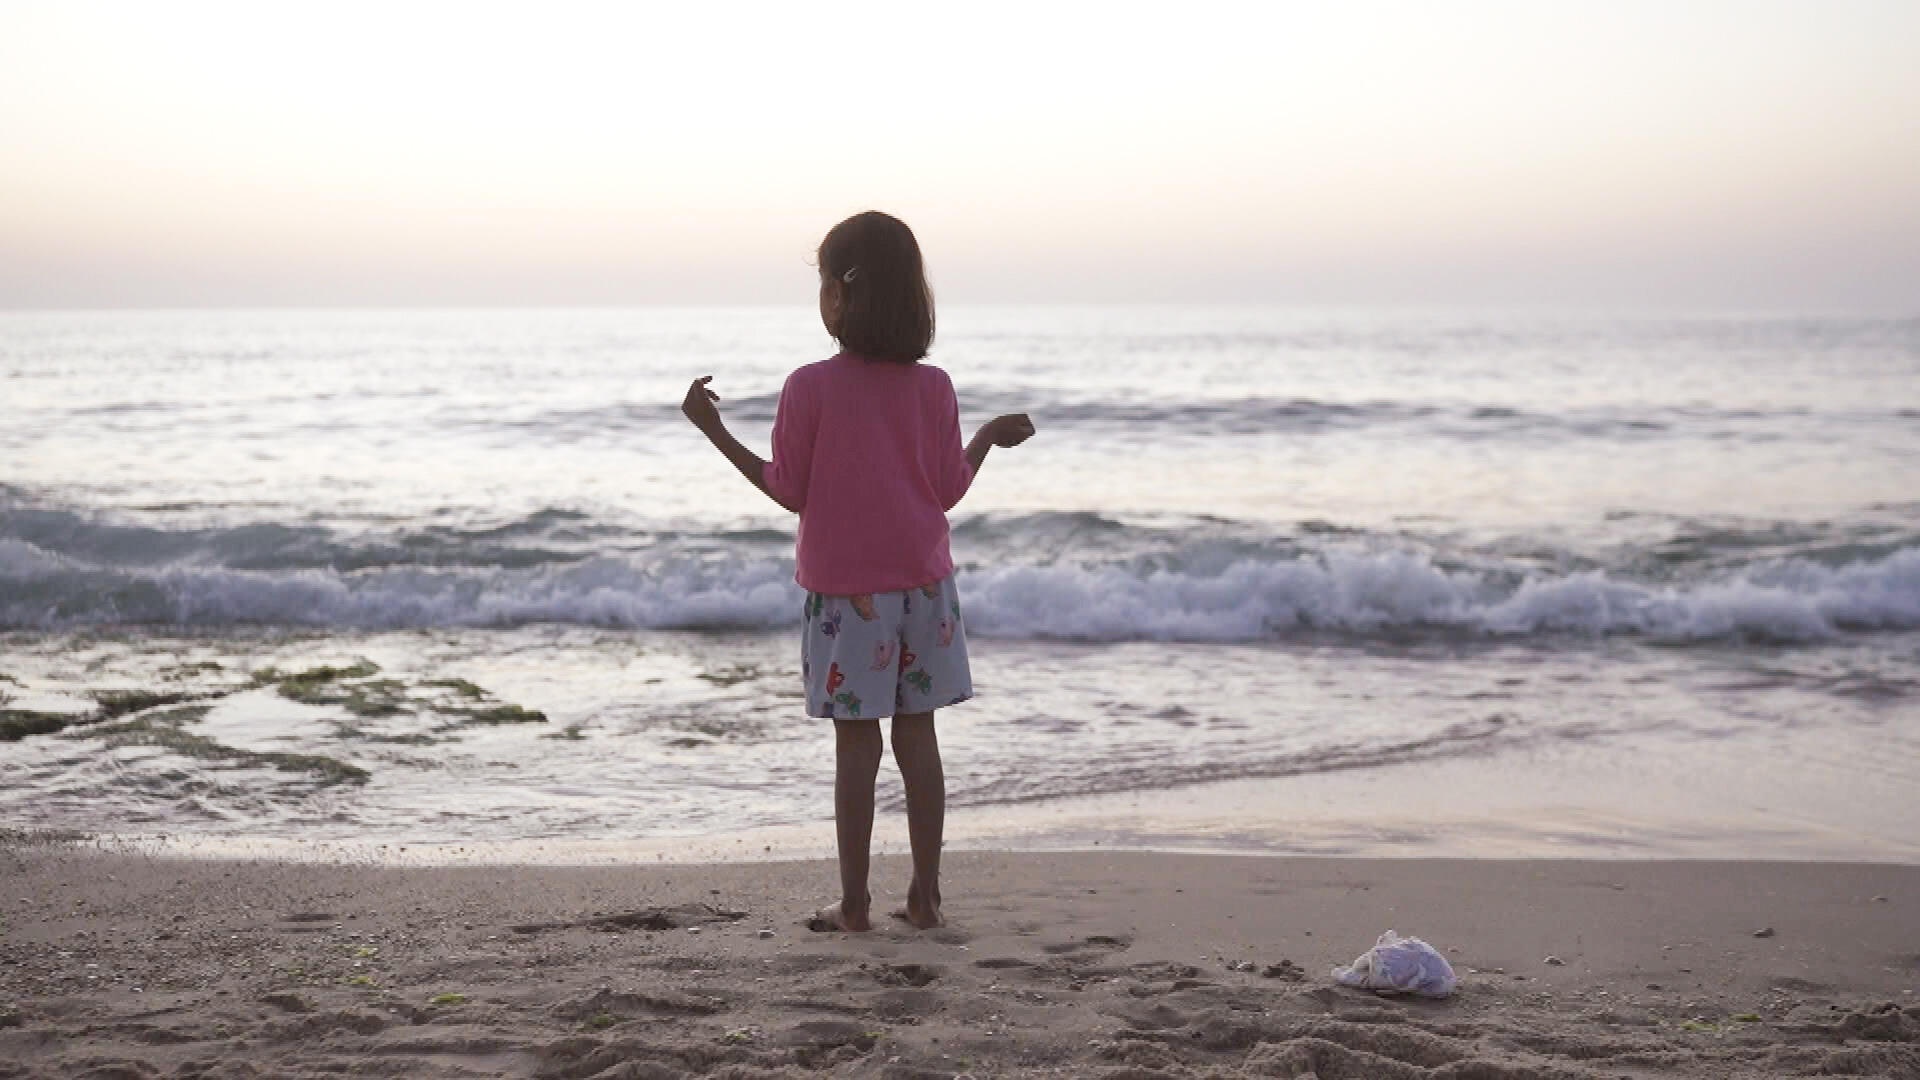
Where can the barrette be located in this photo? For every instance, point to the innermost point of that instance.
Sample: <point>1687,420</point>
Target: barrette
<point>849,275</point>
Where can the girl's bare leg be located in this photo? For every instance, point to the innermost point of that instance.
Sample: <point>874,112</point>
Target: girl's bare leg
<point>916,749</point>
<point>857,753</point>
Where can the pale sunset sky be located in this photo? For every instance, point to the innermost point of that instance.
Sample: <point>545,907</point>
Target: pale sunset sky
<point>1743,155</point>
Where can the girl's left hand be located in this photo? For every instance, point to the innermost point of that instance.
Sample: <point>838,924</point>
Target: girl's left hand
<point>699,404</point>
<point>1011,429</point>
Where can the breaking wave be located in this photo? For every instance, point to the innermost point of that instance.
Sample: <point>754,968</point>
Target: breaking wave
<point>1074,577</point>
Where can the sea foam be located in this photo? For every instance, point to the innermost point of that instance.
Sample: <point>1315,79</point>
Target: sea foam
<point>1346,591</point>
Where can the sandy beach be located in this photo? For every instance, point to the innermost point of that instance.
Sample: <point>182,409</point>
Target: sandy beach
<point>116,963</point>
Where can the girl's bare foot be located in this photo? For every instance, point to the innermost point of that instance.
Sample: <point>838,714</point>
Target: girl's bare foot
<point>835,918</point>
<point>923,908</point>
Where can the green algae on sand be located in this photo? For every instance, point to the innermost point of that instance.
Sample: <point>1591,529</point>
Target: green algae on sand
<point>164,730</point>
<point>353,688</point>
<point>375,697</point>
<point>318,686</point>
<point>499,714</point>
<point>117,703</point>
<point>464,688</point>
<point>133,716</point>
<point>17,724</point>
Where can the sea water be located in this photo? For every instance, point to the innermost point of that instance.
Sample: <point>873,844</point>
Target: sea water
<point>1662,573</point>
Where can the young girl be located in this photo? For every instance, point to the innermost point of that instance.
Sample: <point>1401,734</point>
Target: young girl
<point>866,449</point>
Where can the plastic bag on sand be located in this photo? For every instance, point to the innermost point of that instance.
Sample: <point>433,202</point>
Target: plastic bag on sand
<point>1399,965</point>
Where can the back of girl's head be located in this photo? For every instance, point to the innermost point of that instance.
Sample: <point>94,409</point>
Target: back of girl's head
<point>886,310</point>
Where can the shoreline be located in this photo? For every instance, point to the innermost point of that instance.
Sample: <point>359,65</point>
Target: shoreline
<point>1676,807</point>
<point>1115,963</point>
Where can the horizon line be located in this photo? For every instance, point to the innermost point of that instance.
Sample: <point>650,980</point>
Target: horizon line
<point>1438,307</point>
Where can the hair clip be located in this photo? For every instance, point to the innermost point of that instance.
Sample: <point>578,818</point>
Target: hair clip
<point>849,275</point>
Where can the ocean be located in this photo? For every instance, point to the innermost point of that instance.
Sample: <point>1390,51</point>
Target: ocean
<point>1265,580</point>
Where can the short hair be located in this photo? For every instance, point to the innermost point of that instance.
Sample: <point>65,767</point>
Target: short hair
<point>887,313</point>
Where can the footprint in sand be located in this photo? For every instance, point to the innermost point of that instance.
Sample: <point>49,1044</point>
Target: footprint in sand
<point>307,922</point>
<point>654,919</point>
<point>816,1044</point>
<point>1003,963</point>
<point>1093,941</point>
<point>905,974</point>
<point>627,1006</point>
<point>908,1006</point>
<point>1162,972</point>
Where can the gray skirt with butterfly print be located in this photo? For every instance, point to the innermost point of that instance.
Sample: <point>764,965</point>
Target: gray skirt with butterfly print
<point>885,653</point>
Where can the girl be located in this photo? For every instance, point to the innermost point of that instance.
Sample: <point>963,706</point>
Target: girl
<point>866,449</point>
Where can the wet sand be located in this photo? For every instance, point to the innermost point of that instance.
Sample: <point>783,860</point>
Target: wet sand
<point>122,964</point>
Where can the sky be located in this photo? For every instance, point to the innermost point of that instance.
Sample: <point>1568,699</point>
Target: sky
<point>1749,155</point>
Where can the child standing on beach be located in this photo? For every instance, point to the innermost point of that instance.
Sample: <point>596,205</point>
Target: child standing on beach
<point>866,449</point>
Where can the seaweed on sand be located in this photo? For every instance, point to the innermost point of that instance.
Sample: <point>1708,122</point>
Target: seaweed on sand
<point>473,704</point>
<point>163,730</point>
<point>187,714</point>
<point>17,724</point>
<point>376,697</point>
<point>117,703</point>
<point>351,687</point>
<point>354,689</point>
<point>469,690</point>
<point>351,731</point>
<point>312,677</point>
<point>499,714</point>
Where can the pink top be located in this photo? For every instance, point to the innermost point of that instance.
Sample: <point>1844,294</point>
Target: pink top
<point>868,454</point>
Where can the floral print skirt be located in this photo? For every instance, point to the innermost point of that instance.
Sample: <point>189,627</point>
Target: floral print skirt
<point>885,653</point>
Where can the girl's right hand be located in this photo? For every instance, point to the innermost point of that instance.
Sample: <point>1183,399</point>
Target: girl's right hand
<point>1011,429</point>
<point>699,404</point>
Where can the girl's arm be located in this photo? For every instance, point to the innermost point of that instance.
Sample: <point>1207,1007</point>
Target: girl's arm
<point>700,409</point>
<point>1009,430</point>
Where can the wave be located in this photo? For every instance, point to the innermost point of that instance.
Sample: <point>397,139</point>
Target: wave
<point>1069,577</point>
<point>43,590</point>
<point>1372,593</point>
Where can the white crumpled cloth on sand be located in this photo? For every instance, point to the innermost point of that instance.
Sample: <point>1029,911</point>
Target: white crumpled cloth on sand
<point>1400,965</point>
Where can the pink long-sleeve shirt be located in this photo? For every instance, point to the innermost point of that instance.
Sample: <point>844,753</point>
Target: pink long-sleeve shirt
<point>868,454</point>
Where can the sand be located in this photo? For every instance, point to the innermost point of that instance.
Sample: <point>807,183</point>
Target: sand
<point>119,964</point>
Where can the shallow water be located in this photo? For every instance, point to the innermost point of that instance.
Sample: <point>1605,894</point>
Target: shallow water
<point>1246,548</point>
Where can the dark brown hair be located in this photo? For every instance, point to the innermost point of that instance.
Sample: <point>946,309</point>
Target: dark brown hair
<point>887,309</point>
